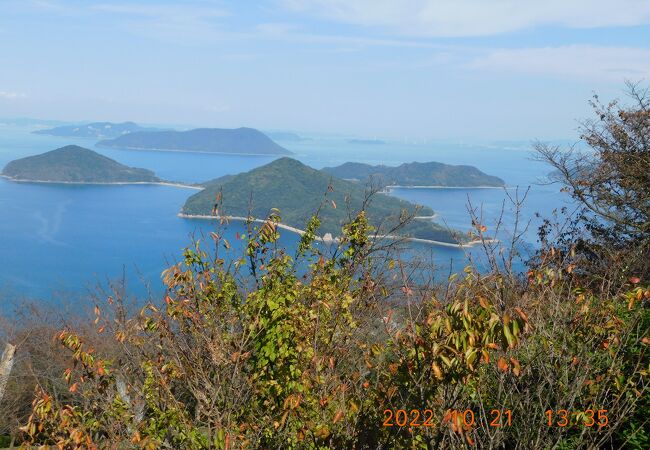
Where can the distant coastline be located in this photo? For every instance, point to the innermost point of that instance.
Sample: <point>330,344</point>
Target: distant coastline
<point>328,237</point>
<point>159,183</point>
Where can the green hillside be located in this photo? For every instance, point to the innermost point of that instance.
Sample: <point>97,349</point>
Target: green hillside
<point>75,164</point>
<point>416,174</point>
<point>211,140</point>
<point>297,191</point>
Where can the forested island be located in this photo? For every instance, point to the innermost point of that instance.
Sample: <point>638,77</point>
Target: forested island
<point>74,164</point>
<point>299,191</point>
<point>205,140</point>
<point>416,174</point>
<point>97,130</point>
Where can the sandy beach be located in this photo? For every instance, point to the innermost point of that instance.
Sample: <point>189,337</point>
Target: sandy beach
<point>159,183</point>
<point>329,238</point>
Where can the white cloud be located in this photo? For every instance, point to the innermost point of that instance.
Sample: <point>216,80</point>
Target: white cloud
<point>574,61</point>
<point>476,17</point>
<point>8,95</point>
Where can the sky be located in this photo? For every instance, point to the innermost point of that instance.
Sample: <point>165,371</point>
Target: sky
<point>430,69</point>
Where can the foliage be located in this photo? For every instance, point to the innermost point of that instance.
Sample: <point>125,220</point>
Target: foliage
<point>75,164</point>
<point>415,174</point>
<point>280,358</point>
<point>299,191</point>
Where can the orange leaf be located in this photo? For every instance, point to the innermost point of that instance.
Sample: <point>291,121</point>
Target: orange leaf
<point>503,365</point>
<point>522,314</point>
<point>516,367</point>
<point>74,387</point>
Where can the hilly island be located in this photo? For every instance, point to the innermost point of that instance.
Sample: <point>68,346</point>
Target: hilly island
<point>430,174</point>
<point>299,191</point>
<point>206,140</point>
<point>74,164</point>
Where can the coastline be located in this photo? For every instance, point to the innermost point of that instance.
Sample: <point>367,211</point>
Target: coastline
<point>328,237</point>
<point>445,187</point>
<point>111,183</point>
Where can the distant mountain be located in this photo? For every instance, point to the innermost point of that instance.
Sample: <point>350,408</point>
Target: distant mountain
<point>366,141</point>
<point>416,174</point>
<point>74,164</point>
<point>298,190</point>
<point>98,130</point>
<point>210,140</point>
<point>286,136</point>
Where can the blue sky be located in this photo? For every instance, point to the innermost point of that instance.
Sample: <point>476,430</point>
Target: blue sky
<point>461,69</point>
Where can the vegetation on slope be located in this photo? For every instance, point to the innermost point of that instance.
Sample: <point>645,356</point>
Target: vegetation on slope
<point>98,130</point>
<point>75,164</point>
<point>299,192</point>
<point>213,140</point>
<point>416,174</point>
<point>345,349</point>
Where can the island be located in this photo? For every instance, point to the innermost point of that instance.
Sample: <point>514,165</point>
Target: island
<point>244,141</point>
<point>286,136</point>
<point>298,191</point>
<point>96,130</point>
<point>75,165</point>
<point>416,174</point>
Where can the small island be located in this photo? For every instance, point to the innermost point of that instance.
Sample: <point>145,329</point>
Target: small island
<point>75,165</point>
<point>286,136</point>
<point>243,141</point>
<point>415,174</point>
<point>96,130</point>
<point>298,191</point>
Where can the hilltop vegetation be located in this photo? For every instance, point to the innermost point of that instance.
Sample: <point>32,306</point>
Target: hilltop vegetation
<point>74,164</point>
<point>211,140</point>
<point>98,130</point>
<point>299,191</point>
<point>352,349</point>
<point>416,174</point>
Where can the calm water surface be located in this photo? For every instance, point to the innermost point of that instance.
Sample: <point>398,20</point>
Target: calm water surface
<point>64,238</point>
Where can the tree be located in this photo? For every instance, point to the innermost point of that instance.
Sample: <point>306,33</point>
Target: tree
<point>611,180</point>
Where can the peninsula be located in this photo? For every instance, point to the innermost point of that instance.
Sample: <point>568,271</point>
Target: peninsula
<point>97,130</point>
<point>74,164</point>
<point>245,141</point>
<point>428,174</point>
<point>299,191</point>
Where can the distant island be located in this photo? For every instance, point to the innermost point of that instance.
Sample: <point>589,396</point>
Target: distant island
<point>298,190</point>
<point>286,136</point>
<point>366,141</point>
<point>429,174</point>
<point>74,164</point>
<point>206,140</point>
<point>97,130</point>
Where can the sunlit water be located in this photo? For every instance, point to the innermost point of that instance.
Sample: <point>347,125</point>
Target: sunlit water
<point>66,238</point>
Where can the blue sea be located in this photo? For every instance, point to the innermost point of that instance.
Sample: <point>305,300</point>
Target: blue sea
<point>59,242</point>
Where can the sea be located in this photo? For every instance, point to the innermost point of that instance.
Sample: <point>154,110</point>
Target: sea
<point>65,243</point>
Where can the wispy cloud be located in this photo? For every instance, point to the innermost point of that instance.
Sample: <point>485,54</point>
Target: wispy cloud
<point>476,17</point>
<point>9,95</point>
<point>574,61</point>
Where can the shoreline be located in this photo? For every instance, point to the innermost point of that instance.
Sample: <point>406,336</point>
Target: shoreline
<point>444,187</point>
<point>328,237</point>
<point>111,183</point>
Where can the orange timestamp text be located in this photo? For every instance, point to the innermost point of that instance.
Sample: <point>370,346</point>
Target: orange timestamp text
<point>425,418</point>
